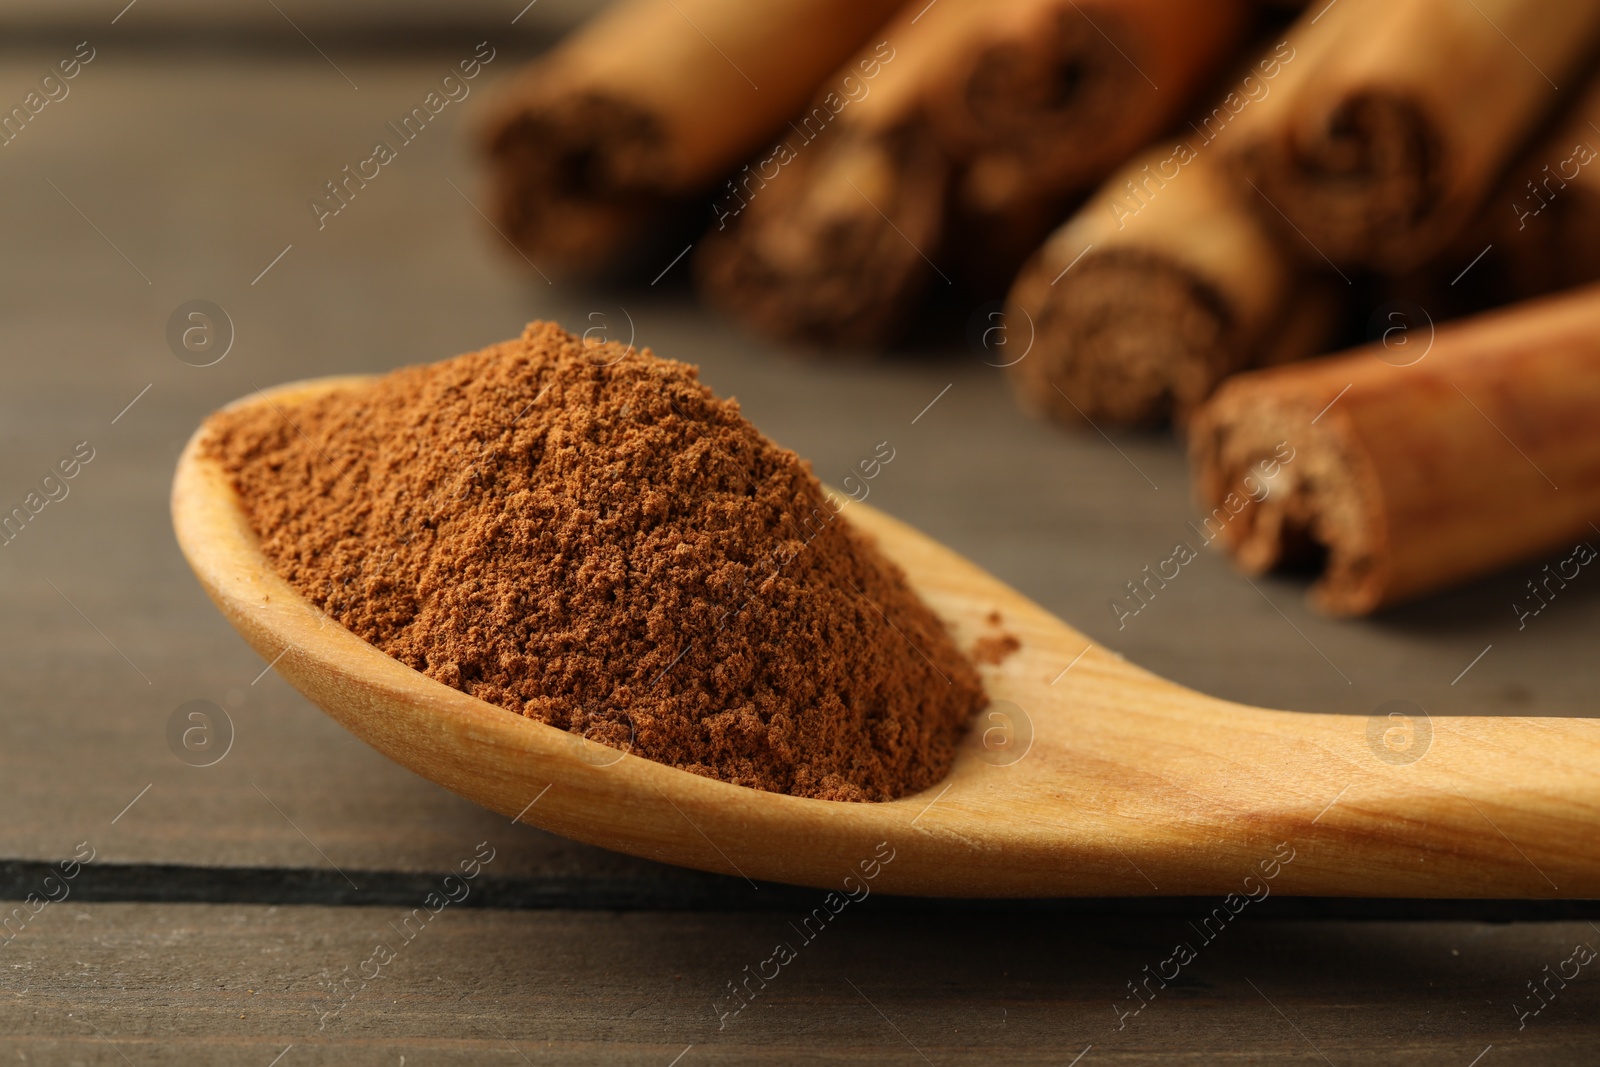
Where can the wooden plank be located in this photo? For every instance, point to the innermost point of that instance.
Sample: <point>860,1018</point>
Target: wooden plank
<point>105,634</point>
<point>216,984</point>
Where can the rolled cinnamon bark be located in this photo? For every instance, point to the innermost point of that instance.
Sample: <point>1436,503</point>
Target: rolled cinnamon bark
<point>835,251</point>
<point>1542,225</point>
<point>1136,315</point>
<point>986,117</point>
<point>1045,98</point>
<point>1408,119</point>
<point>649,102</point>
<point>1411,478</point>
<point>1181,281</point>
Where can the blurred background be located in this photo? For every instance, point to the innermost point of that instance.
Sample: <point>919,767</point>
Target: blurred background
<point>179,169</point>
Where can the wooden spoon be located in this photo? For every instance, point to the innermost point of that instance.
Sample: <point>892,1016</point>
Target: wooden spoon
<point>1087,775</point>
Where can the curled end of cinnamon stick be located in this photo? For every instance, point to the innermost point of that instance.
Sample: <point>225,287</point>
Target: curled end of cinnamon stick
<point>575,175</point>
<point>1363,186</point>
<point>1055,101</point>
<point>1131,338</point>
<point>1281,482</point>
<point>833,250</point>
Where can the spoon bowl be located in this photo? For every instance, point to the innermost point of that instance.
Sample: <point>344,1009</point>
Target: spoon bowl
<point>1086,776</point>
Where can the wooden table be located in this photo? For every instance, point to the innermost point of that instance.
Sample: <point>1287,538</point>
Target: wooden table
<point>226,906</point>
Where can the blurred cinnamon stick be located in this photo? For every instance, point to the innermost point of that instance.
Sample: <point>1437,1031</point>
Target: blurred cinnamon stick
<point>1411,478</point>
<point>1047,97</point>
<point>987,119</point>
<point>1541,228</point>
<point>1168,279</point>
<point>647,103</point>
<point>1135,318</point>
<point>1408,119</point>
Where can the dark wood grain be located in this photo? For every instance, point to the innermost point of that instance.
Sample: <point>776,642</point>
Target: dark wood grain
<point>230,984</point>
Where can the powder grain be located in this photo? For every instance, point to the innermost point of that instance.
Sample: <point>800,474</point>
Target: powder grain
<point>587,536</point>
<point>995,649</point>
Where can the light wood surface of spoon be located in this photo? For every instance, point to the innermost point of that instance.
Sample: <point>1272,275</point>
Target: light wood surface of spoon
<point>1087,776</point>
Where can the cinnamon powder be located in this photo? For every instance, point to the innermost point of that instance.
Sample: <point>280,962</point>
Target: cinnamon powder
<point>995,649</point>
<point>587,536</point>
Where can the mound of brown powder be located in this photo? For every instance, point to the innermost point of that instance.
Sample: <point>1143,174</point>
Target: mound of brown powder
<point>587,536</point>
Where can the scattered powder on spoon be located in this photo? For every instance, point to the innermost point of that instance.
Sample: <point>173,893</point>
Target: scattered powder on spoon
<point>587,536</point>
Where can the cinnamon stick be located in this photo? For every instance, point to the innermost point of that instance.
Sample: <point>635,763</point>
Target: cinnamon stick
<point>1407,119</point>
<point>987,118</point>
<point>1542,225</point>
<point>1046,98</point>
<point>1135,316</point>
<point>1479,451</point>
<point>1168,279</point>
<point>649,102</point>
